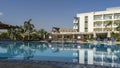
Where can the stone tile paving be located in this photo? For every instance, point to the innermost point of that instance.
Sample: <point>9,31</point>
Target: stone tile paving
<point>51,63</point>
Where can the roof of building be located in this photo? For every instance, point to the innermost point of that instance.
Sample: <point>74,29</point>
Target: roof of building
<point>106,10</point>
<point>58,30</point>
<point>6,26</point>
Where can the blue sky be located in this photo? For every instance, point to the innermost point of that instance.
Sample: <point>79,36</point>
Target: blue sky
<point>48,13</point>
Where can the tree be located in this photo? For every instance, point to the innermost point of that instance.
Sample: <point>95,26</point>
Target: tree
<point>8,32</point>
<point>42,33</point>
<point>109,23</point>
<point>28,27</point>
<point>113,35</point>
<point>21,31</point>
<point>4,36</point>
<point>118,28</point>
<point>35,35</point>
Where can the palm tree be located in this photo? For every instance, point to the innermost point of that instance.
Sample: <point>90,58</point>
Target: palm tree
<point>113,35</point>
<point>109,24</point>
<point>42,33</point>
<point>118,28</point>
<point>35,35</point>
<point>28,27</point>
<point>109,33</point>
<point>16,33</point>
<point>4,36</point>
<point>21,31</point>
<point>8,32</point>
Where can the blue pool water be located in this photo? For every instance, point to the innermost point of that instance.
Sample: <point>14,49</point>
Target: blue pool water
<point>100,54</point>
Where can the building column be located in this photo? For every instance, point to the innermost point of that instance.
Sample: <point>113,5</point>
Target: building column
<point>113,60</point>
<point>102,26</point>
<point>112,23</point>
<point>81,56</point>
<point>109,35</point>
<point>102,59</point>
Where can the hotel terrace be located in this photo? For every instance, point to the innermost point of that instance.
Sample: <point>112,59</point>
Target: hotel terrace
<point>90,25</point>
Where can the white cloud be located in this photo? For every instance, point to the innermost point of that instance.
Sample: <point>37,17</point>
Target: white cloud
<point>1,13</point>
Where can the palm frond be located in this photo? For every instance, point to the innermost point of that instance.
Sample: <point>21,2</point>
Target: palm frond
<point>109,23</point>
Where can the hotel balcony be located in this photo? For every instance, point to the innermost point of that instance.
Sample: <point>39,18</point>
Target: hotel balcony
<point>98,24</point>
<point>105,23</point>
<point>107,29</point>
<point>98,29</point>
<point>75,27</point>
<point>75,21</point>
<point>117,16</point>
<point>106,17</point>
<point>116,22</point>
<point>97,17</point>
<point>95,22</point>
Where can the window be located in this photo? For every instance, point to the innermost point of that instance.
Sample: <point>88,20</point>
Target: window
<point>117,16</point>
<point>86,29</point>
<point>98,30</point>
<point>86,18</point>
<point>98,24</point>
<point>108,16</point>
<point>106,22</point>
<point>86,23</point>
<point>116,22</point>
<point>98,17</point>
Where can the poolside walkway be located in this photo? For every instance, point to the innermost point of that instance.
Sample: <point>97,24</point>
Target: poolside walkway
<point>43,64</point>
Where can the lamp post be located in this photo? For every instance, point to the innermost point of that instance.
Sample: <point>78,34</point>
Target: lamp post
<point>50,37</point>
<point>79,37</point>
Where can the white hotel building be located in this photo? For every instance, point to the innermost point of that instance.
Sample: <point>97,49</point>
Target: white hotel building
<point>93,24</point>
<point>96,21</point>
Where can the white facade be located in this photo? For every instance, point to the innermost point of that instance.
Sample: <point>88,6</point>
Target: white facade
<point>86,56</point>
<point>96,21</point>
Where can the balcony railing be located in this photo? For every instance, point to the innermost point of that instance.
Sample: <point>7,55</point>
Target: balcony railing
<point>75,27</point>
<point>75,21</point>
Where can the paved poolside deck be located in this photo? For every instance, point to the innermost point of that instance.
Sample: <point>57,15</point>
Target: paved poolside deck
<point>43,64</point>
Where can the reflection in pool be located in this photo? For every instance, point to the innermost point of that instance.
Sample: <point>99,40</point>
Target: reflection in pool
<point>104,55</point>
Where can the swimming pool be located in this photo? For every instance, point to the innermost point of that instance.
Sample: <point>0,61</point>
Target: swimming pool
<point>100,54</point>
